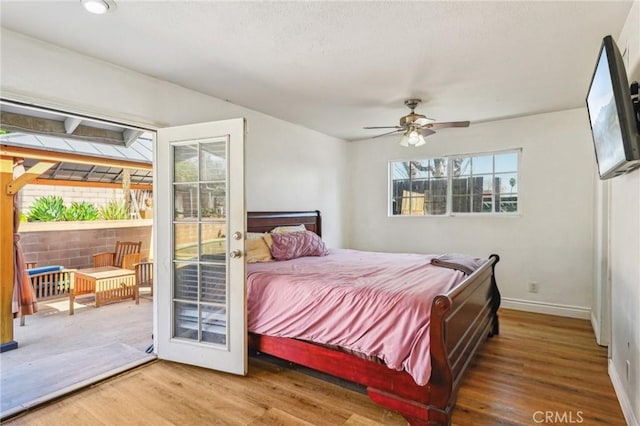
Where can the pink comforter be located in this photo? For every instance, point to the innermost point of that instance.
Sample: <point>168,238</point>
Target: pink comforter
<point>374,303</point>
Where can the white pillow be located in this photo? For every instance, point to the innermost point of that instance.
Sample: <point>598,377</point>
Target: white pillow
<point>285,229</point>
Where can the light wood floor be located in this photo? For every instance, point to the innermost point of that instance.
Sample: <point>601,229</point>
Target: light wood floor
<point>538,364</point>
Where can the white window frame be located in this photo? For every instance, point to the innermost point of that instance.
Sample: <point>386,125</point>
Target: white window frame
<point>450,177</point>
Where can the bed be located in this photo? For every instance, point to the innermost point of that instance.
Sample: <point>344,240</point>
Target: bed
<point>461,319</point>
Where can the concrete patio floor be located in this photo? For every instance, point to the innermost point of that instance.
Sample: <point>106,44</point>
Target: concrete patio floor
<point>59,353</point>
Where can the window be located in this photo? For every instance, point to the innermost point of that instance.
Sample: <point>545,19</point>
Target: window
<point>482,183</point>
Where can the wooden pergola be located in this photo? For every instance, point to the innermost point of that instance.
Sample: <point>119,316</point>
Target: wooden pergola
<point>40,162</point>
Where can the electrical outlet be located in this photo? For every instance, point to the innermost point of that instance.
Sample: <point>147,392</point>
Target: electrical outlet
<point>532,286</point>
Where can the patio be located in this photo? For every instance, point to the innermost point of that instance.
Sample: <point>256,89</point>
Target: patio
<point>61,160</point>
<point>58,353</point>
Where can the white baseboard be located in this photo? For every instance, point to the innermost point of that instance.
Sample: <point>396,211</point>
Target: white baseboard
<point>546,308</point>
<point>623,398</point>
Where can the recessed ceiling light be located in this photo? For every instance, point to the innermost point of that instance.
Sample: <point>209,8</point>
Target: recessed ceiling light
<point>98,7</point>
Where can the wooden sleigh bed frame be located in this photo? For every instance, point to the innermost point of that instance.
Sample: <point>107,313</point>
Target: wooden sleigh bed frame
<point>461,320</point>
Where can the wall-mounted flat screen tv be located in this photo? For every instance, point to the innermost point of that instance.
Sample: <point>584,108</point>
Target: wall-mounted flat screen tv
<point>613,115</point>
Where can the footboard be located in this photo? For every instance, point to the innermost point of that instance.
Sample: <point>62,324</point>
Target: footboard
<point>461,320</point>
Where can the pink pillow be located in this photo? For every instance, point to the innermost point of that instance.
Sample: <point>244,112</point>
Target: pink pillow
<point>297,244</point>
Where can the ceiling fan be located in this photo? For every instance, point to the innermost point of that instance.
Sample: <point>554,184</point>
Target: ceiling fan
<point>415,127</point>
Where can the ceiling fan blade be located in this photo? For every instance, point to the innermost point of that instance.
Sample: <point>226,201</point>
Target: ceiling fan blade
<point>388,133</point>
<point>384,127</point>
<point>445,125</point>
<point>421,121</point>
<point>426,132</point>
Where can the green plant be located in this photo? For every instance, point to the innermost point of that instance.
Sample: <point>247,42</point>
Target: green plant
<point>47,209</point>
<point>81,211</point>
<point>207,212</point>
<point>114,210</point>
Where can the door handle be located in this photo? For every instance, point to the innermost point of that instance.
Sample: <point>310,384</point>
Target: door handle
<point>235,254</point>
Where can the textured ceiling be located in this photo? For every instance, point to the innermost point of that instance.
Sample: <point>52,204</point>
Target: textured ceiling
<point>338,66</point>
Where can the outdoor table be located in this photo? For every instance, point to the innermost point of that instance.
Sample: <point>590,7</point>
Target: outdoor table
<point>108,283</point>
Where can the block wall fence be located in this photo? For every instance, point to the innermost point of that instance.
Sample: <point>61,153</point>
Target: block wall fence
<point>63,243</point>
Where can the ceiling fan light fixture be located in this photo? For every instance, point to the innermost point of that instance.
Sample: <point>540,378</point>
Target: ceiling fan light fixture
<point>421,141</point>
<point>412,138</point>
<point>98,7</point>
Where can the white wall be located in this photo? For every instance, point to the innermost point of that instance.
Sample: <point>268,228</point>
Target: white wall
<point>625,257</point>
<point>287,166</point>
<point>549,242</point>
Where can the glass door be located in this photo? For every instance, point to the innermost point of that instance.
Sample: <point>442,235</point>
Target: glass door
<point>201,222</point>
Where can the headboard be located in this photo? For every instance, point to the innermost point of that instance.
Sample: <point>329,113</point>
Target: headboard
<point>266,221</point>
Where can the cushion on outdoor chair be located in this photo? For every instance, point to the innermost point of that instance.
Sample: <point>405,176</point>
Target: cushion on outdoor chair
<point>43,269</point>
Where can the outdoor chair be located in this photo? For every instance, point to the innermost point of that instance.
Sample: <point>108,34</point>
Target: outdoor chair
<point>144,278</point>
<point>50,282</point>
<point>115,258</point>
<point>102,259</point>
<point>129,260</point>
